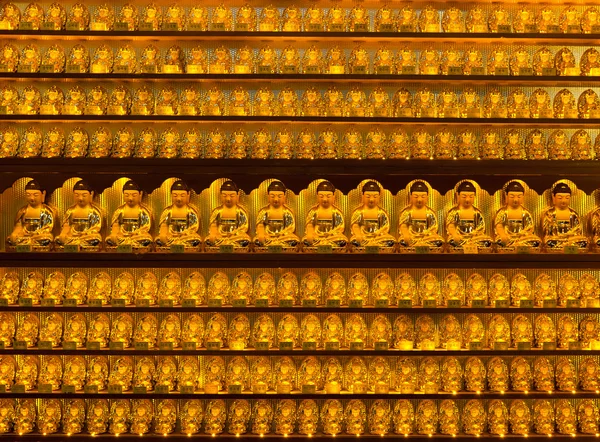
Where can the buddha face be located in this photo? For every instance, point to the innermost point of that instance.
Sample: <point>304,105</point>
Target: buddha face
<point>229,198</point>
<point>514,199</point>
<point>325,199</point>
<point>466,199</point>
<point>83,198</point>
<point>418,199</point>
<point>180,198</point>
<point>562,200</point>
<point>371,199</point>
<point>35,197</point>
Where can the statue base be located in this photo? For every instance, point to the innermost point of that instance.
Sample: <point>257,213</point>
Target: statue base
<point>169,249</point>
<point>379,250</point>
<point>275,249</point>
<point>418,250</point>
<point>316,249</point>
<point>460,250</point>
<point>121,249</point>
<point>218,249</point>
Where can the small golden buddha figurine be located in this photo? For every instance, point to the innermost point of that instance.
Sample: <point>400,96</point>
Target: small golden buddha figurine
<point>276,223</point>
<point>540,104</point>
<point>384,20</point>
<point>561,225</point>
<point>55,57</point>
<point>355,417</point>
<point>119,417</point>
<point>150,60</point>
<point>35,223</point>
<point>568,21</point>
<point>429,20</point>
<point>517,107</point>
<point>54,143</point>
<point>244,61</point>
<point>175,18</point>
<point>285,417</point>
<point>222,19</point>
<point>165,417</point>
<point>238,144</point>
<point>101,144</point>
<point>262,416</point>
<point>558,146</point>
<point>499,20</point>
<point>220,61</point>
<point>152,16</point>
<point>566,418</point>
<point>10,16</point>
<point>524,20</point>
<point>581,146</point>
<point>191,417</point>
<point>324,221</point>
<point>588,104</point>
<point>269,20</point>
<point>370,224</point>
<point>313,19</point>
<point>449,417</point>
<point>513,224</point>
<point>429,62</point>
<point>30,59</point>
<point>489,146</point>
<point>358,19</point>
<point>452,59</point>
<point>166,373</point>
<point>590,20</point>
<point>25,416</point>
<point>545,19</point>
<point>129,15</point>
<point>335,20</point>
<point>82,221</point>
<point>27,372</point>
<point>229,222</point>
<point>9,56</point>
<point>426,417</point>
<point>180,221</point>
<point>452,20</point>
<point>264,103</point>
<point>291,19</point>
<point>494,105</point>
<point>97,416</point>
<point>590,62</point>
<point>587,417</point>
<point>465,224</point>
<point>417,222</point>
<point>80,58</point>
<point>74,416</point>
<point>289,61</point>
<point>497,417</point>
<point>80,15</point>
<point>475,21</point>
<point>335,61</point>
<point>565,63</point>
<point>239,416</point>
<point>132,221</point>
<point>359,62</point>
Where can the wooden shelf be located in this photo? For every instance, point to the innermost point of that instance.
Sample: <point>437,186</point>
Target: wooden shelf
<point>300,260</point>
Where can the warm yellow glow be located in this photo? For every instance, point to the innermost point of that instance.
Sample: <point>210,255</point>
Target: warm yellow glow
<point>526,392</point>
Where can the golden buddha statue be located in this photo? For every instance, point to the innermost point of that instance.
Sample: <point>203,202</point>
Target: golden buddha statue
<point>180,221</point>
<point>561,225</point>
<point>465,224</point>
<point>229,222</point>
<point>324,221</point>
<point>132,221</point>
<point>276,223</point>
<point>513,223</point>
<point>82,221</point>
<point>35,222</point>
<point>370,224</point>
<point>418,224</point>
